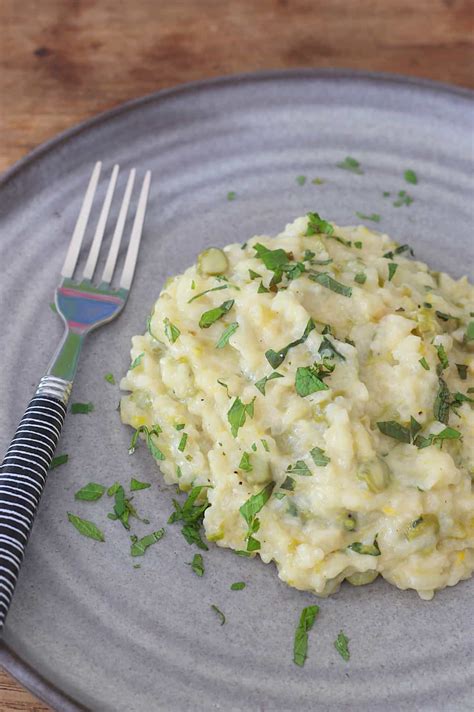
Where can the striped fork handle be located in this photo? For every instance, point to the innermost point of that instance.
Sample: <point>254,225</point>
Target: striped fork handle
<point>23,476</point>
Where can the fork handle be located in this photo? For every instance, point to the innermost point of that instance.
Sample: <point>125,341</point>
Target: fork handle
<point>23,476</point>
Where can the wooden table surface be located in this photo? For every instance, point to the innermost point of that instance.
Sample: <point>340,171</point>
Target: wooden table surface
<point>62,61</point>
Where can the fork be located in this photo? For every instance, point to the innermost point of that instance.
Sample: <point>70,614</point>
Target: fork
<point>82,307</point>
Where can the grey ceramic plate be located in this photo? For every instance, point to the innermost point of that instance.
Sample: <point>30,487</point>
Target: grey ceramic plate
<point>111,637</point>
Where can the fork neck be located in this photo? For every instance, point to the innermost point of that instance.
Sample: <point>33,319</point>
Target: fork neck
<point>65,360</point>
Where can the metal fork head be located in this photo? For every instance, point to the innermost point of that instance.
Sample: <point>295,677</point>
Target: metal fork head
<point>82,305</point>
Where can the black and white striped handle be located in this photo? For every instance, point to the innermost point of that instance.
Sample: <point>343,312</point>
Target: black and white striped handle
<point>22,480</point>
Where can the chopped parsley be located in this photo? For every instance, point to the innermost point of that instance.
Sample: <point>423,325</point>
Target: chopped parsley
<point>123,507</point>
<point>300,468</point>
<point>262,289</point>
<point>136,361</point>
<point>226,334</point>
<point>249,511</point>
<point>197,565</point>
<point>287,484</point>
<point>237,586</point>
<point>342,646</point>
<point>85,527</point>
<point>360,278</point>
<point>309,379</point>
<point>365,549</point>
<point>437,438</point>
<point>350,164</point>
<point>325,280</point>
<point>206,291</point>
<point>374,217</point>
<point>262,383</point>
<point>300,645</point>
<point>237,414</point>
<point>58,461</point>
<point>245,463</point>
<point>149,433</point>
<point>442,402</point>
<point>276,358</point>
<point>443,358</point>
<point>403,199</point>
<point>254,275</point>
<point>82,408</point>
<point>182,442</point>
<point>319,458</point>
<point>462,371</point>
<point>301,180</point>
<point>410,176</point>
<point>192,516</point>
<point>136,485</point>
<point>318,226</point>
<point>109,377</point>
<point>219,613</point>
<point>231,195</point>
<point>90,492</point>
<point>398,251</point>
<point>171,331</point>
<point>392,268</point>
<point>328,350</point>
<point>394,430</point>
<point>139,546</point>
<point>424,363</point>
<point>212,315</point>
<point>272,259</point>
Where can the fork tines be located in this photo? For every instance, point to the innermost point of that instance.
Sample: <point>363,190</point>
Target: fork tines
<point>83,218</point>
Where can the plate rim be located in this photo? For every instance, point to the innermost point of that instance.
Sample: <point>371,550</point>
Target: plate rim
<point>21,671</point>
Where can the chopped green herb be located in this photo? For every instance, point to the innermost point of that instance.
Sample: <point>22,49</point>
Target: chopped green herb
<point>318,226</point>
<point>231,195</point>
<point>403,199</point>
<point>374,217</point>
<point>319,458</point>
<point>197,565</point>
<point>394,430</point>
<point>318,181</point>
<point>462,371</point>
<point>237,414</point>
<point>301,180</point>
<point>139,546</point>
<point>206,291</point>
<point>249,511</point>
<point>245,463</point>
<point>210,317</point>
<point>306,622</point>
<point>90,492</point>
<point>360,277</point>
<point>85,527</point>
<point>82,408</point>
<point>192,516</point>
<point>288,484</point>
<point>109,377</point>
<point>254,275</point>
<point>182,442</point>
<point>265,445</point>
<point>435,438</point>
<point>219,613</point>
<point>442,402</point>
<point>328,350</point>
<point>224,385</point>
<point>365,549</point>
<point>392,268</point>
<point>113,489</point>
<point>325,280</point>
<point>179,426</point>
<point>424,363</point>
<point>58,460</point>
<point>342,646</point>
<point>309,378</point>
<point>442,356</point>
<point>53,308</point>
<point>358,244</point>
<point>398,251</point>
<point>262,383</point>
<point>136,361</point>
<point>410,177</point>
<point>386,194</point>
<point>470,331</point>
<point>226,334</point>
<point>237,586</point>
<point>276,358</point>
<point>300,468</point>
<point>350,164</point>
<point>172,332</point>
<point>136,485</point>
<point>272,259</point>
<point>149,433</point>
<point>262,289</point>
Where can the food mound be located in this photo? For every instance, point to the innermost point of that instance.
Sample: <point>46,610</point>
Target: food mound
<point>319,386</point>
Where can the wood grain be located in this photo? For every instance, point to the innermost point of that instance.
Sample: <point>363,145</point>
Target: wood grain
<point>62,61</point>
